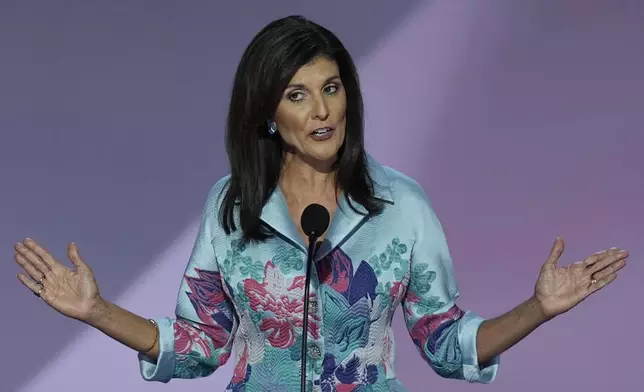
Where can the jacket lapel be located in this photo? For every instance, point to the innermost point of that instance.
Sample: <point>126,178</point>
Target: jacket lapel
<point>345,222</point>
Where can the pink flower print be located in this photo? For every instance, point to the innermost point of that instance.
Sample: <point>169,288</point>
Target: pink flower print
<point>428,328</point>
<point>223,358</point>
<point>209,299</point>
<point>187,339</point>
<point>212,306</point>
<point>336,270</point>
<point>398,290</point>
<point>282,305</point>
<point>220,336</point>
<point>239,374</point>
<point>411,298</point>
<point>346,387</point>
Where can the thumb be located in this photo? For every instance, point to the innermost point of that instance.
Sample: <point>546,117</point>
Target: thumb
<point>556,251</point>
<point>74,256</point>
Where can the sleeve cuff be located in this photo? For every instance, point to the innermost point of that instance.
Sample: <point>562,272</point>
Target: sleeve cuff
<point>163,368</point>
<point>472,371</point>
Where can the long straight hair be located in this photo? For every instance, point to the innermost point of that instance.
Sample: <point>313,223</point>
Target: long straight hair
<point>268,64</point>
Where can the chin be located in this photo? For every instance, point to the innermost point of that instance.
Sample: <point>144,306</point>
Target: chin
<point>326,156</point>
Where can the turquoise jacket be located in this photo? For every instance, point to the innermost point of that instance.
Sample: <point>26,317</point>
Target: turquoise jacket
<point>249,299</point>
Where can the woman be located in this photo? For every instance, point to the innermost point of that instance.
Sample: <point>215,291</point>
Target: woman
<point>295,137</point>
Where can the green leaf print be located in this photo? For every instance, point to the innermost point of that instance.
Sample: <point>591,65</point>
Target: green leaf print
<point>375,264</point>
<point>195,365</point>
<point>250,268</point>
<point>236,259</point>
<point>288,259</point>
<point>421,280</point>
<point>392,255</point>
<point>429,305</point>
<point>385,299</point>
<point>228,266</point>
<point>296,348</point>
<point>243,300</point>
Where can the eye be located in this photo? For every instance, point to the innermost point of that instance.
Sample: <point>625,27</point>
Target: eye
<point>331,89</point>
<point>296,96</point>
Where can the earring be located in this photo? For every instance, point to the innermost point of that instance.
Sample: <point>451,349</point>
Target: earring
<point>272,127</point>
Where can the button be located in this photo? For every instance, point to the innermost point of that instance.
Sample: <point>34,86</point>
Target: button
<point>313,306</point>
<point>314,351</point>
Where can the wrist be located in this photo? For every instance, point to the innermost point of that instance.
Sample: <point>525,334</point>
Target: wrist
<point>97,311</point>
<point>537,310</point>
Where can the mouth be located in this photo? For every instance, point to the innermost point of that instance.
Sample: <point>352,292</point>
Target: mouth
<point>321,132</point>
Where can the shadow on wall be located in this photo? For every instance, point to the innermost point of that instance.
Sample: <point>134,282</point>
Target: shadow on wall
<point>112,123</point>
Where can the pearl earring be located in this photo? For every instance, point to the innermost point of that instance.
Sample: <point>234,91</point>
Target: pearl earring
<point>272,127</point>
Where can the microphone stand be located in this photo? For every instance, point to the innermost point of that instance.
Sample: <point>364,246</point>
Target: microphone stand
<point>305,327</point>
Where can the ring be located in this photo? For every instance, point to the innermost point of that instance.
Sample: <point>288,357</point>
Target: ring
<point>593,281</point>
<point>39,291</point>
<point>41,280</point>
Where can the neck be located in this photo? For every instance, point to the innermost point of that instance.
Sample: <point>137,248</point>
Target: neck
<point>299,176</point>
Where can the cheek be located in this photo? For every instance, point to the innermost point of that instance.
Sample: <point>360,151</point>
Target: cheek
<point>290,122</point>
<point>341,115</point>
<point>339,108</point>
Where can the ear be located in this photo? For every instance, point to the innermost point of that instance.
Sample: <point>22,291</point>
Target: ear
<point>272,127</point>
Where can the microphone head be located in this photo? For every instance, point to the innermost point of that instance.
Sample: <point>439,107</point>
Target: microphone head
<point>315,220</point>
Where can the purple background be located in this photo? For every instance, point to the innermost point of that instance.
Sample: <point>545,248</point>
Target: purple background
<point>523,120</point>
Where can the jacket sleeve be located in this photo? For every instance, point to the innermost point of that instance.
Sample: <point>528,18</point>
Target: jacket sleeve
<point>444,334</point>
<point>199,339</point>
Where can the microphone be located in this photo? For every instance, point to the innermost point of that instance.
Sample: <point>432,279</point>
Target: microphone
<point>315,220</point>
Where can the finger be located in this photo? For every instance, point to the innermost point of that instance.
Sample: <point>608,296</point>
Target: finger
<point>556,251</point>
<point>32,258</point>
<point>32,271</point>
<point>45,256</point>
<point>74,256</point>
<point>609,258</point>
<point>590,261</point>
<point>31,285</point>
<point>601,283</point>
<point>594,258</point>
<point>610,269</point>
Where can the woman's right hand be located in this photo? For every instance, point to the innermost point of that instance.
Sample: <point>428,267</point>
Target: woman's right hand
<point>72,292</point>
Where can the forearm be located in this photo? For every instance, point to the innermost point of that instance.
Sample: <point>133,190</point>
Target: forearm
<point>125,327</point>
<point>499,334</point>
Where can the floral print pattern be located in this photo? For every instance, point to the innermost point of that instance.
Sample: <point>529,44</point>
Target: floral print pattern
<point>283,304</point>
<point>247,302</point>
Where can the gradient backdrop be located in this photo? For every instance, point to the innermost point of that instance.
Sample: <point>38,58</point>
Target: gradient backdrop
<point>523,120</point>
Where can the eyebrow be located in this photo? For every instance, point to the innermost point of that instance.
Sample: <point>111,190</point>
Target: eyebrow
<point>296,86</point>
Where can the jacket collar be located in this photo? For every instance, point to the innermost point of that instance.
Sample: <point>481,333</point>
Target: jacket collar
<point>344,223</point>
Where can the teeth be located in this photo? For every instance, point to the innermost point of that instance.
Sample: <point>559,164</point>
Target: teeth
<point>322,131</point>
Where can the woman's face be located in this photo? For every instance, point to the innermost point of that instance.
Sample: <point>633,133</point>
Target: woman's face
<point>311,116</point>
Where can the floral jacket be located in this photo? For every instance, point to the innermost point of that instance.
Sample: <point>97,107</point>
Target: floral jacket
<point>250,299</point>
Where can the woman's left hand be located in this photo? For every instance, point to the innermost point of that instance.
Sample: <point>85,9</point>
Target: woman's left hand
<point>559,289</point>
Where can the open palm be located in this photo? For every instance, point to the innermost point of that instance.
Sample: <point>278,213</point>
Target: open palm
<point>559,289</point>
<point>72,292</point>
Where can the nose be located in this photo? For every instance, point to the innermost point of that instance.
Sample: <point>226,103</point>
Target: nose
<point>320,109</point>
